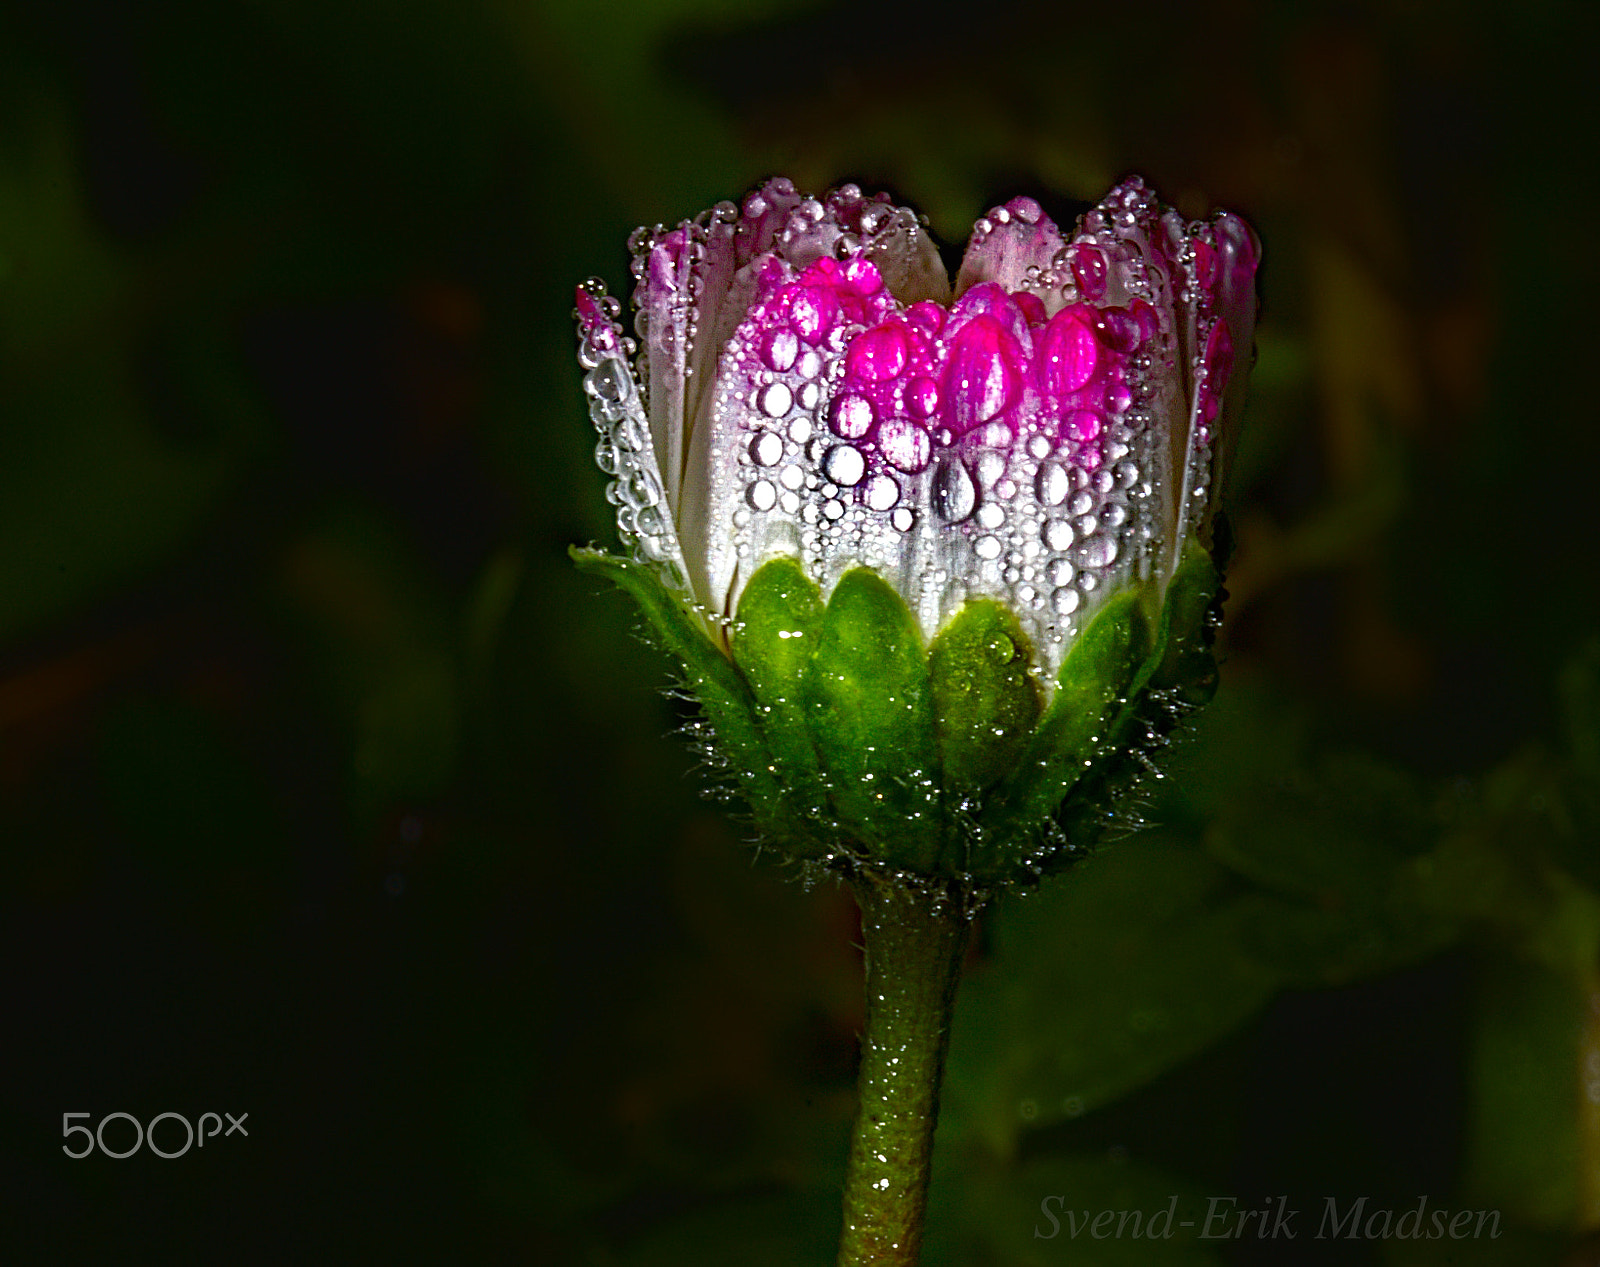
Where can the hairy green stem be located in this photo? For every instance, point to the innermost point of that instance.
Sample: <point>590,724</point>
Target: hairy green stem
<point>915,936</point>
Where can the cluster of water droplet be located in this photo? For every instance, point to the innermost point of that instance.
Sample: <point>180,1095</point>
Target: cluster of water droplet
<point>644,516</point>
<point>1009,445</point>
<point>1040,441</point>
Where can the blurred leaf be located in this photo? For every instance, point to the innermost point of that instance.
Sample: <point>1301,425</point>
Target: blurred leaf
<point>791,1229</point>
<point>91,490</point>
<point>185,791</point>
<point>385,648</point>
<point>1129,964</point>
<point>988,1214</point>
<point>1515,1247</point>
<point>1335,850</point>
<point>1524,1151</point>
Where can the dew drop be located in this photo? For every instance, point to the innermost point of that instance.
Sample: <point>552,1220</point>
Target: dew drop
<point>790,502</point>
<point>991,515</point>
<point>1053,484</point>
<point>781,350</point>
<point>852,416</point>
<point>987,547</point>
<point>1082,502</point>
<point>881,492</point>
<point>844,465</point>
<point>604,382</point>
<point>878,354</point>
<point>955,496</point>
<point>904,445</point>
<point>1058,534</point>
<point>766,449</point>
<point>904,518</point>
<point>1065,600</point>
<point>1062,572</point>
<point>1100,551</point>
<point>922,397</point>
<point>1083,425</point>
<point>832,508</point>
<point>792,477</point>
<point>990,467</point>
<point>775,399</point>
<point>763,495</point>
<point>800,430</point>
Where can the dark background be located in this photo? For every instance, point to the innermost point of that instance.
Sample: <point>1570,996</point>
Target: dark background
<point>331,794</point>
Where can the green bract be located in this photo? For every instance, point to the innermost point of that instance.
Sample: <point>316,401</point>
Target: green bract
<point>853,742</point>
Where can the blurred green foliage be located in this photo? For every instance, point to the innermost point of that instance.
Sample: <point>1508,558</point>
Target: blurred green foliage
<point>332,794</point>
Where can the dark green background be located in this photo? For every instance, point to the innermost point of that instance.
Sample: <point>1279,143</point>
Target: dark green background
<point>331,794</point>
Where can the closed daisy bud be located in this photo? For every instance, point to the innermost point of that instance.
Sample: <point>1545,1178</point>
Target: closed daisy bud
<point>938,561</point>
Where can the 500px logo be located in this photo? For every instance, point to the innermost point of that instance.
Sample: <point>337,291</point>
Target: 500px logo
<point>143,1135</point>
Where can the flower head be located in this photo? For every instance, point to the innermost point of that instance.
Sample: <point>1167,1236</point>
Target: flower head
<point>1038,442</point>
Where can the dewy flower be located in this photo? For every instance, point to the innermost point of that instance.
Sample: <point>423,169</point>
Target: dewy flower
<point>936,559</point>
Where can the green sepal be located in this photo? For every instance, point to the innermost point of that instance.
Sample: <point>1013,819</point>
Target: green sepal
<point>776,634</point>
<point>1185,661</point>
<point>724,697</point>
<point>869,707</point>
<point>1094,680</point>
<point>985,700</point>
<point>1178,676</point>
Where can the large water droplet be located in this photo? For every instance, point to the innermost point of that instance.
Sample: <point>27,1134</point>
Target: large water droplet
<point>1100,551</point>
<point>844,465</point>
<point>980,378</point>
<point>1065,601</point>
<point>605,381</point>
<point>775,399</point>
<point>878,354</point>
<point>1083,425</point>
<point>1082,502</point>
<point>991,515</point>
<point>990,467</point>
<point>1058,534</point>
<point>881,492</point>
<point>904,445</point>
<point>781,350</point>
<point>922,397</point>
<point>766,449</point>
<point>1053,484</point>
<point>904,518</point>
<point>852,416</point>
<point>955,496</point>
<point>763,495</point>
<point>986,548</point>
<point>1067,353</point>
